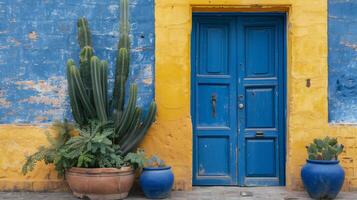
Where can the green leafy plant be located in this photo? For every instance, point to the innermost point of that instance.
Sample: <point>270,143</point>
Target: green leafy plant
<point>50,154</point>
<point>137,159</point>
<point>324,149</point>
<point>91,148</point>
<point>155,161</point>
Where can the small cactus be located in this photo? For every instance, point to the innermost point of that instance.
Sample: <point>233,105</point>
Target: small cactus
<point>324,149</point>
<point>155,161</point>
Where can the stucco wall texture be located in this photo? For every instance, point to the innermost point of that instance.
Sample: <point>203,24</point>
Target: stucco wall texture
<point>307,106</point>
<point>36,39</point>
<point>342,58</point>
<point>171,135</point>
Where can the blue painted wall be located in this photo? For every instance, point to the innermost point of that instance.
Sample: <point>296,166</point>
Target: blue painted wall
<point>342,61</point>
<point>38,36</point>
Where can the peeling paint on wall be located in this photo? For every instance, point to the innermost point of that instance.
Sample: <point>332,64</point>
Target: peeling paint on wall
<point>342,61</point>
<point>37,38</point>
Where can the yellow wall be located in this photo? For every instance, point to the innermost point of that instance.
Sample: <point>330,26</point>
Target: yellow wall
<point>307,59</point>
<point>15,143</point>
<point>171,135</point>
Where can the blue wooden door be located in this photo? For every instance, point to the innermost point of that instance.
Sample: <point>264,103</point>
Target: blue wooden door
<point>260,101</point>
<point>214,104</point>
<point>238,99</point>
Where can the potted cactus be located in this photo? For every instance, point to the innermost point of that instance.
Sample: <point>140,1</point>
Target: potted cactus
<point>156,179</point>
<point>322,175</point>
<point>99,160</point>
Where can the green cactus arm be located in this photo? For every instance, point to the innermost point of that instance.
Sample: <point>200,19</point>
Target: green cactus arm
<point>123,58</point>
<point>124,41</point>
<point>81,91</point>
<point>104,77</point>
<point>97,83</point>
<point>85,56</point>
<point>84,35</point>
<point>126,123</point>
<point>123,63</point>
<point>124,24</point>
<point>134,139</point>
<point>128,113</point>
<point>121,75</point>
<point>74,101</point>
<point>134,124</point>
<point>117,115</point>
<point>121,99</point>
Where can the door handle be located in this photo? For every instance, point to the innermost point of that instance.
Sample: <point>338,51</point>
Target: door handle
<point>213,103</point>
<point>241,106</point>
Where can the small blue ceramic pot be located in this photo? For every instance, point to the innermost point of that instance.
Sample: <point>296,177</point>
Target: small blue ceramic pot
<point>157,182</point>
<point>322,179</point>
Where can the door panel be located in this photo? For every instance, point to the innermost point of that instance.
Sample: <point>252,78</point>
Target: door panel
<point>213,147</point>
<point>214,46</point>
<point>260,153</point>
<point>260,107</point>
<point>213,105</point>
<point>259,50</point>
<point>213,108</point>
<point>260,91</point>
<point>238,100</point>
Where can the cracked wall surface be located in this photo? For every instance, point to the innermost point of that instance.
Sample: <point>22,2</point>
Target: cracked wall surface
<point>37,38</point>
<point>342,61</point>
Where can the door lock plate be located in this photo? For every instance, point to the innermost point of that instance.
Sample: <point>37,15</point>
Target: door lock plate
<point>259,134</point>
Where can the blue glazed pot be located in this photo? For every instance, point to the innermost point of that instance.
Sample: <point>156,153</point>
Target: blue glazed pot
<point>323,179</point>
<point>157,182</point>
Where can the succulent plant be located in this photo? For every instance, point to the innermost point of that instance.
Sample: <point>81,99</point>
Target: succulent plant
<point>324,149</point>
<point>155,161</point>
<point>88,88</point>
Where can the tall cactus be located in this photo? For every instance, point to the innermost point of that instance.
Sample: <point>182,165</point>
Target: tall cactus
<point>122,62</point>
<point>87,88</point>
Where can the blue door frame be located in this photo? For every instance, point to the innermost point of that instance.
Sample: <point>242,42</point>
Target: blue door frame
<point>238,103</point>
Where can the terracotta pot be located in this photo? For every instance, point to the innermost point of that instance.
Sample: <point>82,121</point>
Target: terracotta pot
<point>100,183</point>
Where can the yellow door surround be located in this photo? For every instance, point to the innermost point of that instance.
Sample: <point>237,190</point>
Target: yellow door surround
<point>306,60</point>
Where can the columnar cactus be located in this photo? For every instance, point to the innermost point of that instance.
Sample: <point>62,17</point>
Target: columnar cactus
<point>88,89</point>
<point>122,62</point>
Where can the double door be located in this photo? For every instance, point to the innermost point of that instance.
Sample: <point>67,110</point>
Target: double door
<point>237,99</point>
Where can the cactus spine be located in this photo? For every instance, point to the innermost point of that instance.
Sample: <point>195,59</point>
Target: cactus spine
<point>87,88</point>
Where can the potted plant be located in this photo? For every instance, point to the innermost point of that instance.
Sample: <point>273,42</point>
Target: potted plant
<point>99,160</point>
<point>156,179</point>
<point>322,175</point>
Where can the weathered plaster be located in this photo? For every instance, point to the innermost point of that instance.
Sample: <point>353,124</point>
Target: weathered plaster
<point>342,61</point>
<point>37,38</point>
